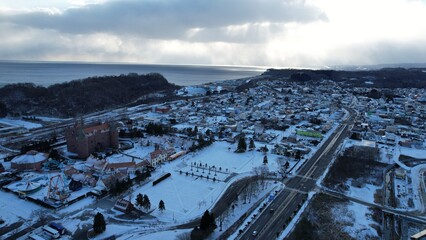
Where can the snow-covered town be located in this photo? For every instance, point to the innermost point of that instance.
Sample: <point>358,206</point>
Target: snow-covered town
<point>151,171</point>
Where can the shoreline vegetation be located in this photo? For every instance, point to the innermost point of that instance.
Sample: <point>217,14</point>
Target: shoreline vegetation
<point>71,99</point>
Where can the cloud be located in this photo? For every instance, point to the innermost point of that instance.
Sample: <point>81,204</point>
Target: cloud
<point>289,33</point>
<point>219,20</point>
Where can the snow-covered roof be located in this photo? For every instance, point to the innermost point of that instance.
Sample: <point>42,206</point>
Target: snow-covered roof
<point>119,158</point>
<point>30,157</point>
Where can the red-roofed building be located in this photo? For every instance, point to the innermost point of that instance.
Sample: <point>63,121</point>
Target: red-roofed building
<point>84,140</point>
<point>160,155</point>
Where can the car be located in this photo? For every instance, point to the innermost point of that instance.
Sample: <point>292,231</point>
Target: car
<point>271,210</point>
<point>254,233</point>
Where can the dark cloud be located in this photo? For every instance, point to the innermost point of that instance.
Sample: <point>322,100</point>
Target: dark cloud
<point>162,19</point>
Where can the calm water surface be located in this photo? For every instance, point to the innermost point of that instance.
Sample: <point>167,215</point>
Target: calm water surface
<point>48,73</point>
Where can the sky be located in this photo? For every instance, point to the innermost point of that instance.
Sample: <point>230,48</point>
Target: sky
<point>273,33</point>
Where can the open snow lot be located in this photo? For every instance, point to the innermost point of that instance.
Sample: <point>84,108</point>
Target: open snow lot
<point>222,155</point>
<point>414,153</point>
<point>356,219</point>
<point>366,193</point>
<point>14,209</point>
<point>328,216</point>
<point>155,235</point>
<point>187,197</point>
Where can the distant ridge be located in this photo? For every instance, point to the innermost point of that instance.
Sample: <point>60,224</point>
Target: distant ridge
<point>378,66</point>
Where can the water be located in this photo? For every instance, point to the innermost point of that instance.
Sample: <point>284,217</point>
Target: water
<point>48,73</point>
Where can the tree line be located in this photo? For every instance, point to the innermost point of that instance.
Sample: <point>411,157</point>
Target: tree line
<point>84,96</point>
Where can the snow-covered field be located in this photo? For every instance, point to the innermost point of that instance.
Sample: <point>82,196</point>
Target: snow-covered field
<point>187,197</point>
<point>356,219</point>
<point>14,209</point>
<point>412,152</point>
<point>365,193</point>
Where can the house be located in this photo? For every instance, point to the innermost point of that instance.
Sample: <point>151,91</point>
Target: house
<point>84,140</point>
<point>124,163</point>
<point>124,205</point>
<point>160,155</point>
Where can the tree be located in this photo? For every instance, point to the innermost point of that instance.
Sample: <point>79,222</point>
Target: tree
<point>207,222</point>
<point>265,160</point>
<point>161,206</point>
<point>287,164</point>
<point>54,154</point>
<point>204,222</point>
<point>139,200</point>
<point>251,144</point>
<point>146,203</point>
<point>99,224</point>
<point>242,145</point>
<point>264,149</point>
<point>3,110</point>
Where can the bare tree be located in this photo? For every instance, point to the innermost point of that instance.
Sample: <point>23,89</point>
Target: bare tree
<point>222,217</point>
<point>245,195</point>
<point>263,173</point>
<point>283,163</point>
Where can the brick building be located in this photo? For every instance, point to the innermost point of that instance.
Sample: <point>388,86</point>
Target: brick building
<point>84,140</point>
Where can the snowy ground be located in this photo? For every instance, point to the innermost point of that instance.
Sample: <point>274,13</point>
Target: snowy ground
<point>366,193</point>
<point>189,196</point>
<point>412,152</point>
<point>171,234</point>
<point>19,123</point>
<point>15,209</point>
<point>356,219</point>
<point>186,197</point>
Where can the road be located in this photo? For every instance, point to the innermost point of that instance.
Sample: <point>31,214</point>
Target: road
<point>272,221</point>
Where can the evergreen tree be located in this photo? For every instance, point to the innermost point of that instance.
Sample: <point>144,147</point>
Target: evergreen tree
<point>146,203</point>
<point>242,145</point>
<point>139,200</point>
<point>265,160</point>
<point>99,224</point>
<point>251,144</point>
<point>161,206</point>
<point>212,222</point>
<point>205,221</point>
<point>265,149</point>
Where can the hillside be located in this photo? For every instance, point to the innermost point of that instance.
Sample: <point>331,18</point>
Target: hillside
<point>382,78</point>
<point>77,97</point>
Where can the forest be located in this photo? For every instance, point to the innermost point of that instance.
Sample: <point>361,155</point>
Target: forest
<point>71,99</point>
